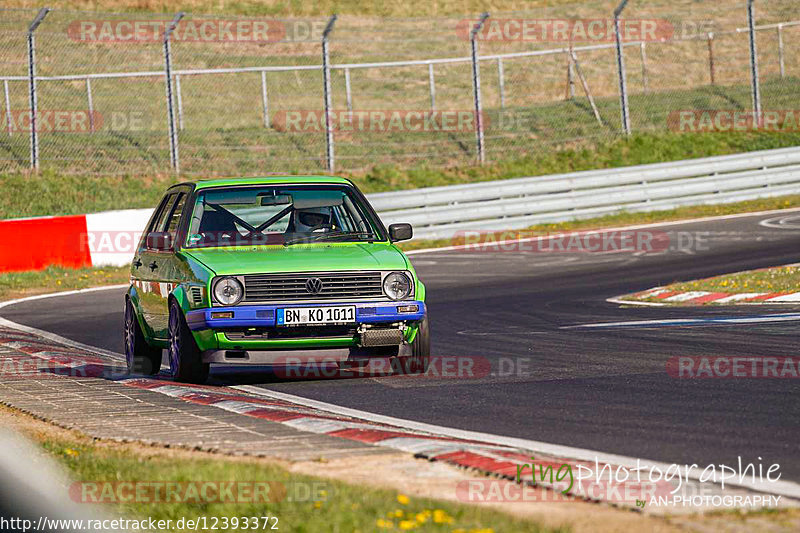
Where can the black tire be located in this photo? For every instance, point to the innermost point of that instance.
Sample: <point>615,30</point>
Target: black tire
<point>420,358</point>
<point>185,361</point>
<point>140,356</point>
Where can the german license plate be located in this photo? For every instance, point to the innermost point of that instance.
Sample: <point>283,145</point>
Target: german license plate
<point>300,316</point>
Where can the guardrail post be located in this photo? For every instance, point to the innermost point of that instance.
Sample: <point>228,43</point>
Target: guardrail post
<point>623,88</point>
<point>90,103</point>
<point>32,85</point>
<point>432,85</point>
<point>8,109</point>
<point>751,24</point>
<point>264,99</point>
<point>173,134</point>
<point>711,57</point>
<point>476,85</point>
<point>326,85</point>
<point>780,51</point>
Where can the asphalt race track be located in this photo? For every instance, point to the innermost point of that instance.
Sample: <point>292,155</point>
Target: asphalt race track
<point>603,389</point>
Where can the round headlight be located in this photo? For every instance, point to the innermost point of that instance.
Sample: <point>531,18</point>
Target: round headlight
<point>228,291</point>
<point>397,286</point>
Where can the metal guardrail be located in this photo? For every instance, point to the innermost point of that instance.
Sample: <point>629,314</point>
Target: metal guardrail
<point>442,212</point>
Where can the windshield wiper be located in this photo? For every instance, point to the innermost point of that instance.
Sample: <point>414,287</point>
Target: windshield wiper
<point>331,235</point>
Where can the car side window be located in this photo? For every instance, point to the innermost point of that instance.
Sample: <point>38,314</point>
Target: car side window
<point>175,216</point>
<point>161,219</point>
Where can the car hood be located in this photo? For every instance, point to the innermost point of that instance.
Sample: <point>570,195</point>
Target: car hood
<point>300,258</point>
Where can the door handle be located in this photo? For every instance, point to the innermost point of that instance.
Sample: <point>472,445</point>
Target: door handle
<point>153,266</point>
<point>137,263</point>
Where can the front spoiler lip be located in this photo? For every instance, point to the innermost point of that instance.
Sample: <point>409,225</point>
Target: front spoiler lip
<point>249,316</point>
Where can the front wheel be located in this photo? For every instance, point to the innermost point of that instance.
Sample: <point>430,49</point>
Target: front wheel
<point>420,358</point>
<point>140,356</point>
<point>185,361</point>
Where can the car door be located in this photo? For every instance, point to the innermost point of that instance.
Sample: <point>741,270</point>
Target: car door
<point>155,268</point>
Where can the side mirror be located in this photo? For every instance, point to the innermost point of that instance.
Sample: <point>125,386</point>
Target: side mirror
<point>400,232</point>
<point>161,241</point>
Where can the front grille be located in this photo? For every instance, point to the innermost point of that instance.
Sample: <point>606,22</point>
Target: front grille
<point>293,287</point>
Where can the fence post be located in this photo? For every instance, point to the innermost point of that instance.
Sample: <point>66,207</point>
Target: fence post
<point>432,85</point>
<point>179,95</point>
<point>90,103</point>
<point>8,108</point>
<point>264,100</point>
<point>711,57</point>
<point>570,89</point>
<point>780,50</point>
<point>645,84</point>
<point>326,85</point>
<point>623,88</point>
<point>32,85</point>
<point>751,23</point>
<point>348,95</point>
<point>476,85</point>
<point>173,134</point>
<point>501,78</point>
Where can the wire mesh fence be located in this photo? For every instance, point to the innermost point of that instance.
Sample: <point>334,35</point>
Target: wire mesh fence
<point>247,95</point>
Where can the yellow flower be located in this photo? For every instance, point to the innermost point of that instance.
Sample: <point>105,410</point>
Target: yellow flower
<point>422,518</point>
<point>398,513</point>
<point>385,524</point>
<point>407,524</point>
<point>441,517</point>
<point>317,505</point>
<point>402,499</point>
<point>71,452</point>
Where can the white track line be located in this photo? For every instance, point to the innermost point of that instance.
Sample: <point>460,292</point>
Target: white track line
<point>697,321</point>
<point>479,246</point>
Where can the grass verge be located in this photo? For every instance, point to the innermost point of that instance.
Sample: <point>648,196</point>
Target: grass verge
<point>53,279</point>
<point>316,504</point>
<point>50,193</point>
<point>776,279</point>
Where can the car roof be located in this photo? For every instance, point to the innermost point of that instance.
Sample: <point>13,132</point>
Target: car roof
<point>268,180</point>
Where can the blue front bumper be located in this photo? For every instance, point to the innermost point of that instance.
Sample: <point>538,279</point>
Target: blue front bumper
<point>249,316</point>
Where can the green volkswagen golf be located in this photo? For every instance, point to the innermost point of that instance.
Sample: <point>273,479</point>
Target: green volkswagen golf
<point>263,271</point>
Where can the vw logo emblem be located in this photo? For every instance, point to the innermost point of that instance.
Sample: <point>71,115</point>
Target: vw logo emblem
<point>314,285</point>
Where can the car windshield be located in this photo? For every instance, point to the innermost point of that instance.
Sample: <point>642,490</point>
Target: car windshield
<point>246,216</point>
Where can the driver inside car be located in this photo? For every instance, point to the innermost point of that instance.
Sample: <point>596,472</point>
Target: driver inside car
<point>311,220</point>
